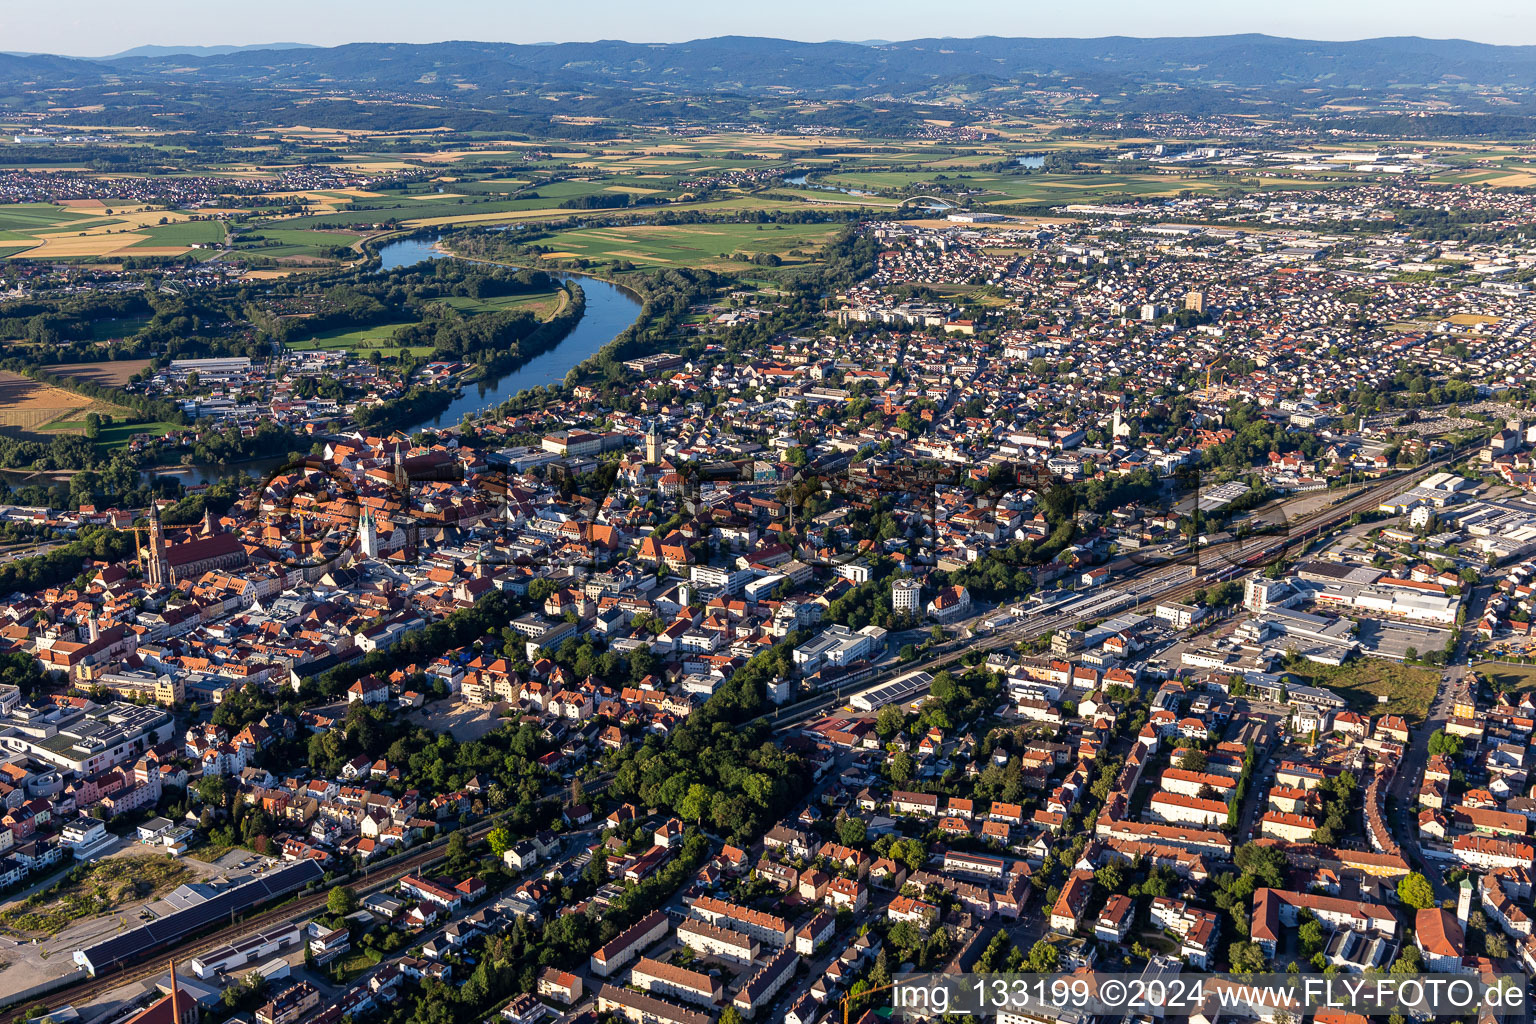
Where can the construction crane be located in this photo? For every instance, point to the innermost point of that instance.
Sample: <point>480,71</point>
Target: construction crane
<point>1211,366</point>
<point>302,514</point>
<point>139,546</point>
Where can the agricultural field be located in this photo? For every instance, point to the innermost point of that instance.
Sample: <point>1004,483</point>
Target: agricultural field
<point>91,229</point>
<point>541,304</point>
<point>415,206</point>
<point>28,406</point>
<point>320,249</point>
<point>23,219</point>
<point>709,246</point>
<point>831,197</point>
<point>109,372</point>
<point>990,188</point>
<point>185,233</point>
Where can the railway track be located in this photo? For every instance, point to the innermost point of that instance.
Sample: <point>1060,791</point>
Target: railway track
<point>1300,533</point>
<point>372,881</point>
<point>1178,586</point>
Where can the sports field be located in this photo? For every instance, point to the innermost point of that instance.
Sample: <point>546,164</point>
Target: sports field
<point>377,338</point>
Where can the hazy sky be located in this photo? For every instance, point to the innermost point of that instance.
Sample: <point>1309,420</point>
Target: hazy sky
<point>99,27</point>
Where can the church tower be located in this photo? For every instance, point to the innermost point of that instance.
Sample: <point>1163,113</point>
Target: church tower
<point>367,534</point>
<point>402,475</point>
<point>208,528</point>
<point>159,565</point>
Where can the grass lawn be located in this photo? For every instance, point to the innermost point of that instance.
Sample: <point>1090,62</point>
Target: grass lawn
<point>349,967</point>
<point>541,304</point>
<point>1508,678</point>
<point>1156,941</point>
<point>102,888</point>
<point>1408,690</point>
<point>119,434</point>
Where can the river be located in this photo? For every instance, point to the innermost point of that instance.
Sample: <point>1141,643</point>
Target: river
<point>801,180</point>
<point>609,310</point>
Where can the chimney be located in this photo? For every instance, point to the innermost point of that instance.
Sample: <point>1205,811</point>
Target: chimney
<point>175,1002</point>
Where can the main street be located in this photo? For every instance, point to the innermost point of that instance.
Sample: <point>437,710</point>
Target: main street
<point>1405,784</point>
<point>1152,583</point>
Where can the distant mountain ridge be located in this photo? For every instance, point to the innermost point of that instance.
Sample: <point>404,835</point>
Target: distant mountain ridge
<point>199,51</point>
<point>486,83</point>
<point>777,63</point>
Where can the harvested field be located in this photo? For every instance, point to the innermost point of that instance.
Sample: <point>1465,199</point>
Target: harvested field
<point>26,404</point>
<point>111,372</point>
<point>70,246</point>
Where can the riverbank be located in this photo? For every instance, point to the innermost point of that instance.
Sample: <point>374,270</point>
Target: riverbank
<point>549,334</point>
<point>553,271</point>
<point>608,308</point>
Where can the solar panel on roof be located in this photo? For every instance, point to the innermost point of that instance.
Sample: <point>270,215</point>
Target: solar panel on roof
<point>131,945</point>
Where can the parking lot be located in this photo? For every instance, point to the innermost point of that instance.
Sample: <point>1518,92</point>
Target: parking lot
<point>460,719</point>
<point>1387,639</point>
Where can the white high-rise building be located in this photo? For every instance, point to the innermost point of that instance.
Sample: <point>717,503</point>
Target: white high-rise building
<point>907,596</point>
<point>1259,592</point>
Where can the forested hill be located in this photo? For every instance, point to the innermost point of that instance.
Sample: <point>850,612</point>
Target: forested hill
<point>1216,74</point>
<point>750,64</point>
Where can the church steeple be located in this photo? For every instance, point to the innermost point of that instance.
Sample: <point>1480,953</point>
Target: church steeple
<point>159,565</point>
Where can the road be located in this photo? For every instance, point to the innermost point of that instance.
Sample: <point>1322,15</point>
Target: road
<point>1405,784</point>
<point>1171,581</point>
<point>1151,583</point>
<point>374,880</point>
